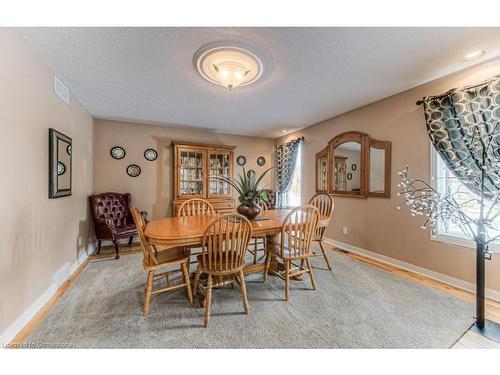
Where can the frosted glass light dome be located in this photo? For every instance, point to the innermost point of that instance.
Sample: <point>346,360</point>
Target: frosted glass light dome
<point>228,65</point>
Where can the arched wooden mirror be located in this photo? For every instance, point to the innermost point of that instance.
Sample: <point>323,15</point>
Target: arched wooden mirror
<point>354,165</point>
<point>348,159</point>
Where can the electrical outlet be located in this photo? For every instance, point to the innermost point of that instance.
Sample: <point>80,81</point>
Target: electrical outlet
<point>344,230</point>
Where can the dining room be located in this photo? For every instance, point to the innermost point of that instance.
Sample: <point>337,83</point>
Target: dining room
<point>250,188</point>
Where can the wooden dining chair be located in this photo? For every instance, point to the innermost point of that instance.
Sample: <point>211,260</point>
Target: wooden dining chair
<point>224,246</point>
<point>259,240</point>
<point>155,259</point>
<point>195,207</point>
<point>297,233</point>
<point>325,205</point>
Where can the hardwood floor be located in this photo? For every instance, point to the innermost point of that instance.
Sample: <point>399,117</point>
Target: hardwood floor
<point>470,340</point>
<point>473,340</point>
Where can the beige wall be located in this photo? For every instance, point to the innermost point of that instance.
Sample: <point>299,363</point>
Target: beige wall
<point>152,190</point>
<point>375,224</point>
<point>39,236</point>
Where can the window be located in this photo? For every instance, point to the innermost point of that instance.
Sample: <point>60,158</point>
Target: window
<point>292,198</point>
<point>443,180</point>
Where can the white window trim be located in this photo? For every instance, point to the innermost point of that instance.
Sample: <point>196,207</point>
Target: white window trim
<point>443,238</point>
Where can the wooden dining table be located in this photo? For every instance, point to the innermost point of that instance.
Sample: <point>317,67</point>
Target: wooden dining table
<point>171,232</point>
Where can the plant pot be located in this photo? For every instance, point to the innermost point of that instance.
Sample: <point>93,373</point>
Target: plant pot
<point>249,210</point>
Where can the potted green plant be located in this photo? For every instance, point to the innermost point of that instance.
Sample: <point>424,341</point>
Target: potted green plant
<point>249,190</point>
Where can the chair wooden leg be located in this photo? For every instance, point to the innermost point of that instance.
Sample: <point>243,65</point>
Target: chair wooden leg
<point>208,301</point>
<point>98,247</point>
<point>255,246</point>
<point>149,287</point>
<point>244,291</point>
<point>117,249</point>
<point>130,239</point>
<point>287,278</point>
<point>196,283</point>
<point>324,255</point>
<point>268,263</point>
<point>187,281</point>
<point>313,280</point>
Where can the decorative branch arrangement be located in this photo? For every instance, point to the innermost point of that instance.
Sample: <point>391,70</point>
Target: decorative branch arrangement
<point>447,208</point>
<point>464,127</point>
<point>482,141</point>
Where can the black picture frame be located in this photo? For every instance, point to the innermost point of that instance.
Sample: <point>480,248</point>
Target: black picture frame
<point>61,168</point>
<point>55,138</point>
<point>251,173</point>
<point>111,152</point>
<point>133,166</point>
<point>349,176</point>
<point>261,160</point>
<point>152,152</point>
<point>241,160</point>
<point>354,167</point>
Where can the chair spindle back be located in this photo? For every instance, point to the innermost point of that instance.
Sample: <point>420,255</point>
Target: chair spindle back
<point>325,205</point>
<point>195,207</point>
<point>148,250</point>
<point>298,230</point>
<point>225,243</point>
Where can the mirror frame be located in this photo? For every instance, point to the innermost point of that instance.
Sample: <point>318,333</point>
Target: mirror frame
<point>54,191</point>
<point>386,146</point>
<point>351,136</point>
<point>321,155</point>
<point>366,143</point>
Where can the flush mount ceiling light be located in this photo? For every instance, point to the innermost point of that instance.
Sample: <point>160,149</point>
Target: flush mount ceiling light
<point>229,64</point>
<point>474,55</point>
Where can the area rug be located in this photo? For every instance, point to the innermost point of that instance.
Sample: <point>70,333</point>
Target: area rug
<point>355,306</point>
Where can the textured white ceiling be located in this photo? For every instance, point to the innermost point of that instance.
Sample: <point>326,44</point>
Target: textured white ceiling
<point>147,74</point>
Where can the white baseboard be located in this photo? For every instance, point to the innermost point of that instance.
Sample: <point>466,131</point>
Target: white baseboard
<point>458,283</point>
<point>11,332</point>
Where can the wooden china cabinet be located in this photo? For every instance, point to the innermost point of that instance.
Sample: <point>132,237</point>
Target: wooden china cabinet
<point>194,164</point>
<point>340,173</point>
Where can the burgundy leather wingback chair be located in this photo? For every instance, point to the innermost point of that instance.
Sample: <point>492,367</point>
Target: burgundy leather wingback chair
<point>112,218</point>
<point>271,196</point>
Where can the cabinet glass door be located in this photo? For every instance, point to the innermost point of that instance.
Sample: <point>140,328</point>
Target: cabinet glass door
<point>190,172</point>
<point>322,174</point>
<point>340,173</point>
<point>218,165</point>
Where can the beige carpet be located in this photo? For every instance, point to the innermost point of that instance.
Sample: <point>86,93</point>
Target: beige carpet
<point>355,306</point>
